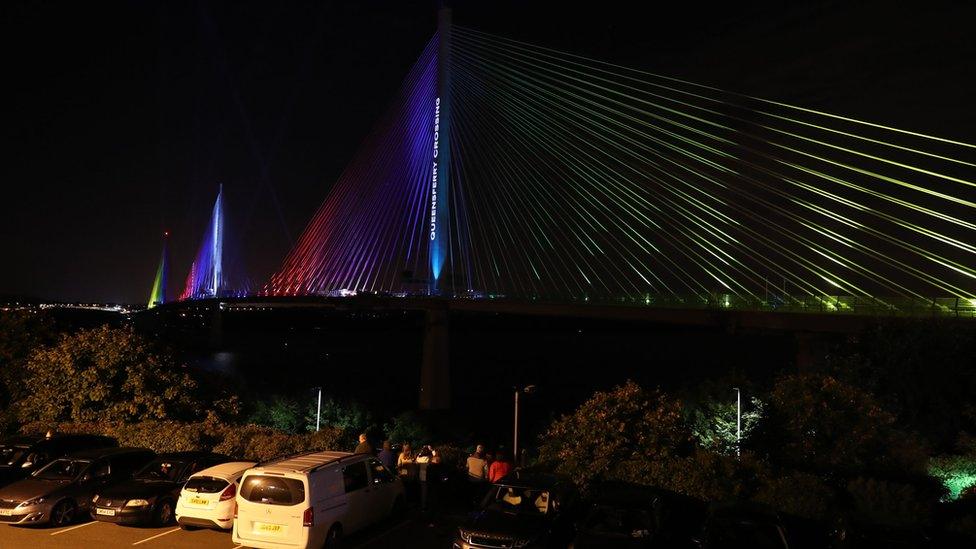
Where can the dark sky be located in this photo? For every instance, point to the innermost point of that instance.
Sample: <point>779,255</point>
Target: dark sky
<point>121,118</point>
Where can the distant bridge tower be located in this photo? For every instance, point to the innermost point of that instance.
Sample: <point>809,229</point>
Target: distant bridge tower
<point>207,277</point>
<point>158,294</point>
<point>440,224</point>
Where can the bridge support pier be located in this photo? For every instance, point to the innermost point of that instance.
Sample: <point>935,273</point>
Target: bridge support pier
<point>435,370</point>
<point>810,351</point>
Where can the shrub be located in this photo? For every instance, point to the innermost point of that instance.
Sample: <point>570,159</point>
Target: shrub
<point>878,501</point>
<point>407,427</point>
<point>796,493</point>
<point>105,374</point>
<point>243,441</point>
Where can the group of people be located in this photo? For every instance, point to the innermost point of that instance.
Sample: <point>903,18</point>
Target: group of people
<point>482,466</point>
<point>401,463</point>
<point>487,466</point>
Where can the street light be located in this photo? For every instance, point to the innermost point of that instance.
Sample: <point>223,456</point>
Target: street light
<point>528,389</point>
<point>738,421</point>
<point>318,411</point>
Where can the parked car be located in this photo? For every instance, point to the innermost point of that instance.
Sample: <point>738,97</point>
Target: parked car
<point>628,515</point>
<point>21,456</point>
<point>745,526</point>
<point>524,509</point>
<point>149,497</point>
<point>207,498</point>
<point>313,499</point>
<point>62,490</point>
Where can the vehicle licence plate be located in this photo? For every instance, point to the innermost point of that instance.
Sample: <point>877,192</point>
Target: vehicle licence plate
<point>199,501</point>
<point>265,528</point>
<point>106,512</point>
<point>6,512</point>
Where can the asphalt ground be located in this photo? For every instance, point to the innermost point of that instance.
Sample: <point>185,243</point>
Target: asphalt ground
<point>415,531</point>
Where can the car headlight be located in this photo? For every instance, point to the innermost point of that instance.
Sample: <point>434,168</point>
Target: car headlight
<point>32,502</point>
<point>95,498</point>
<point>138,502</point>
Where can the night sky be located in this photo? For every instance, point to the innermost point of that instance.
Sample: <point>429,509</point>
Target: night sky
<point>121,118</point>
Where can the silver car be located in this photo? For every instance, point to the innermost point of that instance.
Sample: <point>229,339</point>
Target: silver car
<point>62,490</point>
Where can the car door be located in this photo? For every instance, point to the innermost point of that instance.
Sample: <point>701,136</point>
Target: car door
<point>355,479</point>
<point>382,489</point>
<point>95,478</point>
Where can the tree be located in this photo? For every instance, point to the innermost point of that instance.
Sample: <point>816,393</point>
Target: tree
<point>108,374</point>
<point>614,428</point>
<point>922,370</point>
<point>817,423</point>
<point>715,425</point>
<point>21,332</point>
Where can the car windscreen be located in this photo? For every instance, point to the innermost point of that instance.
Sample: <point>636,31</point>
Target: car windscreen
<point>10,454</point>
<point>161,469</point>
<point>619,522</point>
<point>205,485</point>
<point>63,469</point>
<point>273,490</point>
<point>517,500</point>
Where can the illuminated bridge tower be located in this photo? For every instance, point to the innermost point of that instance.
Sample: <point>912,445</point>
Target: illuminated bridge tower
<point>440,224</point>
<point>207,278</point>
<point>158,294</point>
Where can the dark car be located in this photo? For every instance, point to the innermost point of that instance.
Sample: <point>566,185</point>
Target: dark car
<point>744,526</point>
<point>150,496</point>
<point>62,490</point>
<point>624,515</point>
<point>524,509</point>
<point>21,456</point>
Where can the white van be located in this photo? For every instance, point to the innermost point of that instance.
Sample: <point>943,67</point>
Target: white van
<point>313,499</point>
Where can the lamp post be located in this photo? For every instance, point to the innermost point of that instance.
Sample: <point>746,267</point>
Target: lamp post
<point>528,389</point>
<point>738,422</point>
<point>318,410</point>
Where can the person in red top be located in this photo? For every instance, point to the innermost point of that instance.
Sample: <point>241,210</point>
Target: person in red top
<point>499,468</point>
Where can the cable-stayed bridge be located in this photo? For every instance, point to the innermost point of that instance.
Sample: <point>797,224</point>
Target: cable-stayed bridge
<point>511,177</point>
<point>509,169</point>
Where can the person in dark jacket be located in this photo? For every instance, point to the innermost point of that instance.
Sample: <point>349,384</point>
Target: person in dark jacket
<point>386,456</point>
<point>364,447</point>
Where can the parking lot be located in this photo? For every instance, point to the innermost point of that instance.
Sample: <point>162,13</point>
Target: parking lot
<point>410,532</point>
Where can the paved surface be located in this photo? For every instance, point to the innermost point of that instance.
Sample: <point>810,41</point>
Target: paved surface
<point>407,533</point>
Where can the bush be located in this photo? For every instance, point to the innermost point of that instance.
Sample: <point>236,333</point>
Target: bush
<point>239,441</point>
<point>703,475</point>
<point>105,374</point>
<point>884,502</point>
<point>799,494</point>
<point>407,427</point>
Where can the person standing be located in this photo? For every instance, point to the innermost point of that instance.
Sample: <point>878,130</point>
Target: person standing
<point>478,465</point>
<point>364,447</point>
<point>386,456</point>
<point>500,468</point>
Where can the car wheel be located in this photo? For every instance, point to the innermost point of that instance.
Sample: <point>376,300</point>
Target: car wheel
<point>63,513</point>
<point>164,513</point>
<point>334,538</point>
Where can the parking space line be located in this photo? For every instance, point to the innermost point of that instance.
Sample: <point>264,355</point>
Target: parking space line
<point>157,536</point>
<point>72,528</point>
<point>379,535</point>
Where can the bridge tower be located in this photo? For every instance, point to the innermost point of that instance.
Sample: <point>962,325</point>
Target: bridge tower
<point>157,296</point>
<point>440,224</point>
<point>435,372</point>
